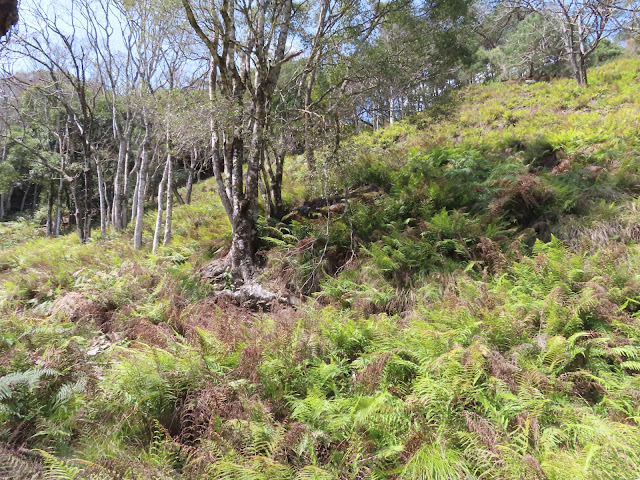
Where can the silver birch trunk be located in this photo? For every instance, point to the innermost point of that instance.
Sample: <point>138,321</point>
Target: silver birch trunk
<point>58,217</point>
<point>141,187</point>
<point>103,201</point>
<point>169,216</point>
<point>156,231</point>
<point>116,210</point>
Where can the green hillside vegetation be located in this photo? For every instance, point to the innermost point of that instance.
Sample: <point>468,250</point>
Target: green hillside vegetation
<point>466,285</point>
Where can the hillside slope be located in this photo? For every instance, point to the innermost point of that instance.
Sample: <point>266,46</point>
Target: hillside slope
<point>473,288</point>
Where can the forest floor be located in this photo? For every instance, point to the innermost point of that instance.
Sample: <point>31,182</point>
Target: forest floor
<point>466,308</point>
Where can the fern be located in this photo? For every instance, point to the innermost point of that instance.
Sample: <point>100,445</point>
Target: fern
<point>435,462</point>
<point>30,378</point>
<point>68,391</point>
<point>14,467</point>
<point>56,469</point>
<point>630,352</point>
<point>631,365</point>
<point>313,473</point>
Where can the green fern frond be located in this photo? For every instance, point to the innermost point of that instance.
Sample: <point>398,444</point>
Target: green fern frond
<point>626,351</point>
<point>274,242</point>
<point>435,462</point>
<point>313,473</point>
<point>631,365</point>
<point>68,391</point>
<point>56,469</point>
<point>30,378</point>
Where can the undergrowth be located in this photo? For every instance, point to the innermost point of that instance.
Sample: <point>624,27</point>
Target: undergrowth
<point>472,313</point>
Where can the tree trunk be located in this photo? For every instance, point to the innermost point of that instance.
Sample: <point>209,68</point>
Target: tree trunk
<point>312,65</point>
<point>169,217</point>
<point>116,210</point>
<point>309,153</point>
<point>273,181</point>
<point>392,107</point>
<point>126,187</point>
<point>134,201</point>
<point>191,168</point>
<point>24,198</point>
<point>86,200</point>
<point>246,205</point>
<point>161,187</point>
<point>177,194</point>
<point>77,213</point>
<point>582,52</point>
<point>35,198</point>
<point>102,195</point>
<point>189,188</point>
<point>238,178</point>
<point>568,37</point>
<point>265,190</point>
<point>2,160</point>
<point>58,218</point>
<point>276,185</point>
<point>50,227</point>
<point>241,254</point>
<point>582,72</point>
<point>141,187</point>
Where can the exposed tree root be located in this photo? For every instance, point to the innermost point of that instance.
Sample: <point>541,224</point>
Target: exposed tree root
<point>255,297</point>
<point>248,294</point>
<point>237,283</point>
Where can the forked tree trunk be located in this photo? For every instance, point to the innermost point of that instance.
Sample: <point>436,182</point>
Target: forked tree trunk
<point>261,59</point>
